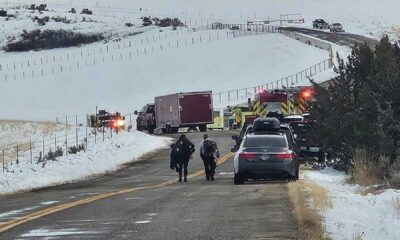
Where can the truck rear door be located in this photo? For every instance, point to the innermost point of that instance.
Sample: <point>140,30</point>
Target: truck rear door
<point>196,108</point>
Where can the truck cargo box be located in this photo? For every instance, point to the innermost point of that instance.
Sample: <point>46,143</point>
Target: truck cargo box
<point>184,110</point>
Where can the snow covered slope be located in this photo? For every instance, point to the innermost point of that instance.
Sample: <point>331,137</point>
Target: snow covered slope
<point>367,17</point>
<point>126,85</point>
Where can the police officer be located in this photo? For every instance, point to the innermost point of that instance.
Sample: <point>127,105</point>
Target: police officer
<point>209,154</point>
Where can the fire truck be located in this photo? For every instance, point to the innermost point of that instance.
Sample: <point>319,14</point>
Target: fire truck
<point>282,102</point>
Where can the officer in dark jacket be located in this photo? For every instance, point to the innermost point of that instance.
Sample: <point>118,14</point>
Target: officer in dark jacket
<point>209,154</point>
<point>183,152</point>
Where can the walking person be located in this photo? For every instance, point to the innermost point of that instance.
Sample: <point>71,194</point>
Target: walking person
<point>209,153</point>
<point>183,152</point>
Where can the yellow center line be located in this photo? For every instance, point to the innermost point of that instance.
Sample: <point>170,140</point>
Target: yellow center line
<point>4,226</point>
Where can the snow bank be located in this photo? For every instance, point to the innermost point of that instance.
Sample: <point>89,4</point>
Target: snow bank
<point>99,158</point>
<point>371,216</point>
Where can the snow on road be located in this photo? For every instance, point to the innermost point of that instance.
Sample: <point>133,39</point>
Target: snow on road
<point>99,158</point>
<point>370,217</point>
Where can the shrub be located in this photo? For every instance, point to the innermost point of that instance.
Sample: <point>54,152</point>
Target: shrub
<point>61,19</point>
<point>165,22</point>
<point>129,24</point>
<point>76,149</point>
<point>86,11</point>
<point>72,10</point>
<point>3,13</point>
<point>41,7</point>
<point>53,155</point>
<point>146,21</point>
<point>41,21</point>
<point>49,39</point>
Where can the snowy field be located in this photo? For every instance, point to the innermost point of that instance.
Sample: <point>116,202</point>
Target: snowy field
<point>99,158</point>
<point>129,84</point>
<point>21,132</point>
<point>370,217</point>
<point>367,17</point>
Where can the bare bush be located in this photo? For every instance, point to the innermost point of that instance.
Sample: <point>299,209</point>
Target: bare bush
<point>86,11</point>
<point>41,21</point>
<point>52,155</point>
<point>61,19</point>
<point>3,13</point>
<point>76,149</point>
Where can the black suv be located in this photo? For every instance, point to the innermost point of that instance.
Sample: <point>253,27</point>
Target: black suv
<point>309,145</point>
<point>320,24</point>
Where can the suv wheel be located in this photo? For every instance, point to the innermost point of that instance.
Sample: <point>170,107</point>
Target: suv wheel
<point>237,179</point>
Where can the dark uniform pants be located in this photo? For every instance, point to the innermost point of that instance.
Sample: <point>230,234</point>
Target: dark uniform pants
<point>209,166</point>
<point>182,167</point>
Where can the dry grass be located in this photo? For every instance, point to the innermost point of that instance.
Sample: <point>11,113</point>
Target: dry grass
<point>365,173</point>
<point>357,235</point>
<point>311,225</point>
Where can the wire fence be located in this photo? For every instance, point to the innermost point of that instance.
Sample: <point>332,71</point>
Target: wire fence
<point>121,51</point>
<point>40,152</point>
<point>289,81</point>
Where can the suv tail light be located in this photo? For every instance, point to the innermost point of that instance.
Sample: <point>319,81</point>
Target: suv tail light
<point>247,156</point>
<point>284,156</point>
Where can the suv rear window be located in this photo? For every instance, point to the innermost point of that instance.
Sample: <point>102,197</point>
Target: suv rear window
<point>265,141</point>
<point>300,127</point>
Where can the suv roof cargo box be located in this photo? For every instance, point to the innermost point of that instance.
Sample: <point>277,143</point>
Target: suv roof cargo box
<point>266,125</point>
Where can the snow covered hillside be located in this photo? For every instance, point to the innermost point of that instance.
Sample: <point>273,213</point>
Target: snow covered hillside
<point>21,132</point>
<point>127,84</point>
<point>366,17</point>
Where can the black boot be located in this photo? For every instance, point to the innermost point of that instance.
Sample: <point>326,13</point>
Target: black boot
<point>185,179</point>
<point>180,179</point>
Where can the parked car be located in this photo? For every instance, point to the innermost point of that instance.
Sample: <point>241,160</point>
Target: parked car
<point>336,27</point>
<point>308,144</point>
<point>262,156</point>
<point>265,126</point>
<point>235,27</point>
<point>292,118</point>
<point>320,24</point>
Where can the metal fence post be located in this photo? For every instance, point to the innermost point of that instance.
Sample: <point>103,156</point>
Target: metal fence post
<point>30,150</point>
<point>76,135</point>
<point>86,137</point>
<point>103,133</point>
<point>66,143</point>
<point>3,160</point>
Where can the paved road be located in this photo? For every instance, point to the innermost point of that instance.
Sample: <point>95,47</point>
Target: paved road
<point>347,39</point>
<point>194,210</point>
